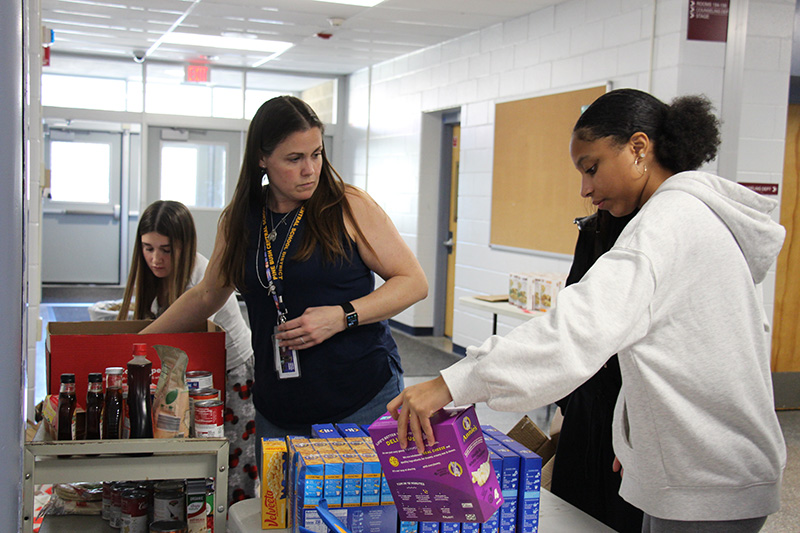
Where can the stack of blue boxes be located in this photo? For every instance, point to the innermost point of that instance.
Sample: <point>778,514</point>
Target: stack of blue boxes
<point>519,472</point>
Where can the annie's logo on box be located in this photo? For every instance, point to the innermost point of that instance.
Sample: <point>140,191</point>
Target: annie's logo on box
<point>451,482</point>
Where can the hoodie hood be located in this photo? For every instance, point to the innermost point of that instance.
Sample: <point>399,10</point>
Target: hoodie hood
<point>746,213</point>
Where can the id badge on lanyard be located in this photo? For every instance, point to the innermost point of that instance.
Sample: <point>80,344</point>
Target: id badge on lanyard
<point>287,361</point>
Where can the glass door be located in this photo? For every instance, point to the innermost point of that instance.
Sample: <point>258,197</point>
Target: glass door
<point>81,213</point>
<point>198,168</point>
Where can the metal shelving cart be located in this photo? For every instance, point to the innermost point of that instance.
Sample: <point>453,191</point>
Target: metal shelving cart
<point>125,459</point>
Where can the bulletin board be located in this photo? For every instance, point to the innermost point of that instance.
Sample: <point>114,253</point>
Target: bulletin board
<point>535,186</point>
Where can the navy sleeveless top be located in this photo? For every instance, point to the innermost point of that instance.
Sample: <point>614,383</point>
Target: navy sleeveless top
<point>338,376</point>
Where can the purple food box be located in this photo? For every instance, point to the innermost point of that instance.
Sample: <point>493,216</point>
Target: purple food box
<point>452,481</point>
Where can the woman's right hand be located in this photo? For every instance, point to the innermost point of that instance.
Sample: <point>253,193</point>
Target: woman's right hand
<point>414,407</point>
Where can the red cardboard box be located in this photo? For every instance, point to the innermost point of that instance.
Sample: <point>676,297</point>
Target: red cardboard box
<point>84,347</point>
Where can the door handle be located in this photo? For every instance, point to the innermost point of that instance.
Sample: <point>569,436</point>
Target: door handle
<point>117,211</point>
<point>448,243</point>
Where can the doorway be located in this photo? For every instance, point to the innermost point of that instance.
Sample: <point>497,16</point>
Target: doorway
<point>81,215</point>
<point>198,168</point>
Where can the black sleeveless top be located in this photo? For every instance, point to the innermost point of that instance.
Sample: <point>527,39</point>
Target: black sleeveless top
<point>337,377</point>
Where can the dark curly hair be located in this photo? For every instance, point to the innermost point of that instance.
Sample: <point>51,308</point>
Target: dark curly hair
<point>685,133</point>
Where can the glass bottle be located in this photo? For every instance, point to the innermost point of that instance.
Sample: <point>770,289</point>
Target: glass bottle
<point>94,406</point>
<point>66,408</point>
<point>139,400</point>
<point>112,408</point>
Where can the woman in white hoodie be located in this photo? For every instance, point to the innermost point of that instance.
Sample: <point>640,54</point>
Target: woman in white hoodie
<point>695,431</point>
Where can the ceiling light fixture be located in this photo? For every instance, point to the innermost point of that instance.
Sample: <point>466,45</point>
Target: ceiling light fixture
<point>362,3</point>
<point>226,43</point>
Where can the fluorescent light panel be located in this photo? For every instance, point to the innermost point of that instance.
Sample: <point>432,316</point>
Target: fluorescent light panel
<point>363,3</point>
<point>226,43</point>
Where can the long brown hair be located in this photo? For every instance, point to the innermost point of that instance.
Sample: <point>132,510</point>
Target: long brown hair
<point>325,211</point>
<point>172,220</point>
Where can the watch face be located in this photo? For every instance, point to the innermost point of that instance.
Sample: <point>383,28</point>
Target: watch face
<point>352,320</point>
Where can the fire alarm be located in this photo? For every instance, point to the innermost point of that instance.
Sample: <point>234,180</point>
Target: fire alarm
<point>324,35</point>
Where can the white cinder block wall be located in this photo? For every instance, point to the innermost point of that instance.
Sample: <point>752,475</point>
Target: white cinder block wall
<point>573,45</point>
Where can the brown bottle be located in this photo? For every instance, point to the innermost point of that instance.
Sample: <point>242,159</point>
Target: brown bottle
<point>94,406</point>
<point>112,405</point>
<point>139,400</point>
<point>66,408</point>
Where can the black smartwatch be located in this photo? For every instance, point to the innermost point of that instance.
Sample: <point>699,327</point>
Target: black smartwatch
<point>350,315</point>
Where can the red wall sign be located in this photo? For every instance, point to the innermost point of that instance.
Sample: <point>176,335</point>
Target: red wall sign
<point>197,73</point>
<point>770,189</point>
<point>708,20</point>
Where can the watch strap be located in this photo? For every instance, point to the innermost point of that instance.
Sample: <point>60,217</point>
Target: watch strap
<point>350,315</point>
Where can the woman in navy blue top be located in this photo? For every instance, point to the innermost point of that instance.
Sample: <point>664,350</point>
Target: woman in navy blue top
<point>303,247</point>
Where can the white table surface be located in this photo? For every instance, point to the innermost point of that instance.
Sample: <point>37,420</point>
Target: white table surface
<point>498,308</point>
<point>555,516</point>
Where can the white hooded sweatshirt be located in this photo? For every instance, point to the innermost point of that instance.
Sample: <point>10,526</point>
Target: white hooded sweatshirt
<point>695,427</point>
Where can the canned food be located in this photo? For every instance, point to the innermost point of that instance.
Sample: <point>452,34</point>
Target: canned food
<point>199,379</point>
<point>168,526</point>
<point>169,502</point>
<point>115,517</point>
<point>105,512</point>
<point>134,511</point>
<point>209,416</point>
<point>147,486</point>
<point>200,395</point>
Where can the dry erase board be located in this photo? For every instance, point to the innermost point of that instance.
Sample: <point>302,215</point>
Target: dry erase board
<point>535,186</point>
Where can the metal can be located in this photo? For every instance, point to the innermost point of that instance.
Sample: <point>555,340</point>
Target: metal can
<point>147,486</point>
<point>105,512</point>
<point>199,379</point>
<point>169,501</point>
<point>115,517</point>
<point>168,526</point>
<point>209,416</point>
<point>134,511</point>
<point>200,395</point>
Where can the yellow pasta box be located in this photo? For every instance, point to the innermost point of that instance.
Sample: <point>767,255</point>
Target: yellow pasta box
<point>273,484</point>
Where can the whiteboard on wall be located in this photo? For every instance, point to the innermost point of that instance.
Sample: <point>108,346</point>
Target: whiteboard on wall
<point>535,186</point>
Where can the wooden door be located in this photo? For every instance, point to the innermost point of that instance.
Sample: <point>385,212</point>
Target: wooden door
<point>451,256</point>
<point>785,332</point>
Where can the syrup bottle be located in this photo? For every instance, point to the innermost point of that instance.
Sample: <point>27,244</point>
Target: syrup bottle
<point>66,408</point>
<point>94,406</point>
<point>139,400</point>
<point>112,405</point>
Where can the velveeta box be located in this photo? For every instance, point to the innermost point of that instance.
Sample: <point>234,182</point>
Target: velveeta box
<point>273,484</point>
<point>452,481</point>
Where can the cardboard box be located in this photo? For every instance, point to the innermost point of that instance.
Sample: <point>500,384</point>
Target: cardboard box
<point>84,347</point>
<point>530,477</point>
<point>528,434</point>
<point>509,484</point>
<point>452,481</point>
<point>381,519</point>
<point>273,484</point>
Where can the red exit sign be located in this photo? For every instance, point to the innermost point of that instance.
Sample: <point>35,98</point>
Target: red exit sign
<point>197,73</point>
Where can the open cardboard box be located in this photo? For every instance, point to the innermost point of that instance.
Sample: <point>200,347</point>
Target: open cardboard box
<point>84,347</point>
<point>532,437</point>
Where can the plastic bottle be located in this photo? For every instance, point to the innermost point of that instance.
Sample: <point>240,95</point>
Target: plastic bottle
<point>66,408</point>
<point>94,406</point>
<point>139,400</point>
<point>112,408</point>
